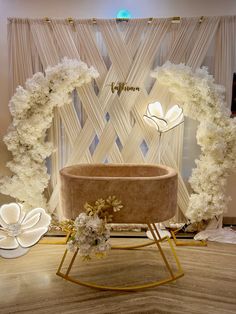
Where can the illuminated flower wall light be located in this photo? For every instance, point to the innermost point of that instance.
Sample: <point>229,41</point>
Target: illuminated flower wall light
<point>155,117</point>
<point>20,231</point>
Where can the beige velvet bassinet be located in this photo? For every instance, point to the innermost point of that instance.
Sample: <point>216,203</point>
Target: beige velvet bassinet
<point>148,192</point>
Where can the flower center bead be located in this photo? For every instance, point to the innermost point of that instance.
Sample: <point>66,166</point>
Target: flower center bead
<point>14,230</point>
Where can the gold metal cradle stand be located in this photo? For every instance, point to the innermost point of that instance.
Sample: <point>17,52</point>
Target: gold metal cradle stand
<point>172,274</point>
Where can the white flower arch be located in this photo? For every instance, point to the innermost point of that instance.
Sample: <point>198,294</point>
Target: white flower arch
<point>32,111</point>
<point>204,101</point>
<point>201,98</point>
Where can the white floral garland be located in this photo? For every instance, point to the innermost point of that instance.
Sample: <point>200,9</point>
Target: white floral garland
<point>204,101</point>
<point>32,111</point>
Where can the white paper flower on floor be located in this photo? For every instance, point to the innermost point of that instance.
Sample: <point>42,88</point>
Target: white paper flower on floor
<point>155,117</point>
<point>19,230</point>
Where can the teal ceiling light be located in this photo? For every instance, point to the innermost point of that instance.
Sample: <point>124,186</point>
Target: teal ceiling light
<point>123,14</point>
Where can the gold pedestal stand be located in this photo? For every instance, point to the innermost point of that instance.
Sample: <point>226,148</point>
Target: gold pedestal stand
<point>173,275</point>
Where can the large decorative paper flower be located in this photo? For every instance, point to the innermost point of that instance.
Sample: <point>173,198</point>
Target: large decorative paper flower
<point>18,229</point>
<point>155,117</point>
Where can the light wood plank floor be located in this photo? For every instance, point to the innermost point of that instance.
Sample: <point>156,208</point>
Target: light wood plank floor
<point>29,284</point>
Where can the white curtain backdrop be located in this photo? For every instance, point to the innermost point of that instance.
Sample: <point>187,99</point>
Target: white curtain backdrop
<point>99,126</point>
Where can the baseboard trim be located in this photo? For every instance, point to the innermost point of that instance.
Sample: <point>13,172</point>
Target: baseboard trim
<point>229,220</point>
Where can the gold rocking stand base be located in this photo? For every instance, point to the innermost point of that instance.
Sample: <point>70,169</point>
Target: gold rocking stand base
<point>157,240</point>
<point>186,243</point>
<point>53,241</point>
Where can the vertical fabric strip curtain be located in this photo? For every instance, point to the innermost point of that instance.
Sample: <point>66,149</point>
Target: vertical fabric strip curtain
<point>101,126</point>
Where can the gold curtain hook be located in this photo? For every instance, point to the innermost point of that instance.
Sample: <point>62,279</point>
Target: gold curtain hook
<point>47,19</point>
<point>201,19</point>
<point>176,19</point>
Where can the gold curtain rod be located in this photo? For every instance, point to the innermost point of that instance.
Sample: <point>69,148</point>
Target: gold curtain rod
<point>174,20</point>
<point>94,20</point>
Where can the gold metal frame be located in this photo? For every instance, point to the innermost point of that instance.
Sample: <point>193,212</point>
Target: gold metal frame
<point>173,275</point>
<point>51,240</point>
<point>186,243</point>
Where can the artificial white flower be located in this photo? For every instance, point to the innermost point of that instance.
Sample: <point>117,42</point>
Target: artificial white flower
<point>18,229</point>
<point>115,203</point>
<point>91,236</point>
<point>155,117</point>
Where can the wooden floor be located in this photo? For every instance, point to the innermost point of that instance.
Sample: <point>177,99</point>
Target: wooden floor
<point>29,284</point>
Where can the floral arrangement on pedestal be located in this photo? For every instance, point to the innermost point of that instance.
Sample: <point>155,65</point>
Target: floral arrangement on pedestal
<point>90,232</point>
<point>204,101</point>
<point>32,111</point>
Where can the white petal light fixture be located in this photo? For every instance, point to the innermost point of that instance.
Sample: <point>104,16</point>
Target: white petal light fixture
<point>155,117</point>
<point>20,231</point>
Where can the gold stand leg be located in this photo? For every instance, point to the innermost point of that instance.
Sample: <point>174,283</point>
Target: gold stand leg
<point>173,275</point>
<point>186,243</point>
<point>46,240</point>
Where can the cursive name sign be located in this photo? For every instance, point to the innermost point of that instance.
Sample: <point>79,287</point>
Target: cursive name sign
<point>122,87</point>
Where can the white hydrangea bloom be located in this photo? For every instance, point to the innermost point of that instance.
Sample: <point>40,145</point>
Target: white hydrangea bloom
<point>91,237</point>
